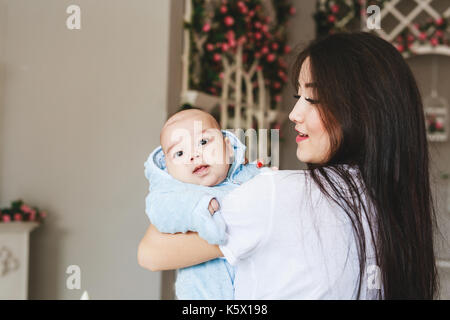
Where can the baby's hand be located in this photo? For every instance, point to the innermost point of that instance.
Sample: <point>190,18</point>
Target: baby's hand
<point>213,206</point>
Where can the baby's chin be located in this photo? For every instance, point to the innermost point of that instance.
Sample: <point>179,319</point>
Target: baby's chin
<point>215,176</point>
<point>211,180</point>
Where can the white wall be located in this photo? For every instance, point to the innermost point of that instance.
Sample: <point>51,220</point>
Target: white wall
<point>80,111</point>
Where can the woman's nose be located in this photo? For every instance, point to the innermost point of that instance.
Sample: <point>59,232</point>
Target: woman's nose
<point>296,114</point>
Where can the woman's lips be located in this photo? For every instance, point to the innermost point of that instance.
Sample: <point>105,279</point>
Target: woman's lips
<point>299,138</point>
<point>201,170</point>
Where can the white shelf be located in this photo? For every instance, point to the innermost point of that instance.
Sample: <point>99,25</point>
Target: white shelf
<point>17,226</point>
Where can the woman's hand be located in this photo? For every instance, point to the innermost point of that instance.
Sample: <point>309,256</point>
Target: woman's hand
<point>163,251</point>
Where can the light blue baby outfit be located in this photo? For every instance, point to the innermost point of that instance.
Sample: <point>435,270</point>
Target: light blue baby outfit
<point>174,206</point>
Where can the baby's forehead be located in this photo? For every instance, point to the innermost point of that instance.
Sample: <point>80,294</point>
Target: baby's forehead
<point>187,124</point>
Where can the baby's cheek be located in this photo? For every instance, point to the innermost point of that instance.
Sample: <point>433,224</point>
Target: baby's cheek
<point>211,156</point>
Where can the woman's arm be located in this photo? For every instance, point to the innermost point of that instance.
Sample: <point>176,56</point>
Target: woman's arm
<point>162,251</point>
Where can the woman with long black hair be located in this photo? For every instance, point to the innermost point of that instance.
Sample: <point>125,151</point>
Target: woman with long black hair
<point>358,223</point>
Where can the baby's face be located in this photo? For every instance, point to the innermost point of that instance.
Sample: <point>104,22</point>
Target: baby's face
<point>195,149</point>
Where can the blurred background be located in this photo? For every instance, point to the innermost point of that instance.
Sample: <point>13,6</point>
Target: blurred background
<point>85,90</point>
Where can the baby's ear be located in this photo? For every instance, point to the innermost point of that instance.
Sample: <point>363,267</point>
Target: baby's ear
<point>229,150</point>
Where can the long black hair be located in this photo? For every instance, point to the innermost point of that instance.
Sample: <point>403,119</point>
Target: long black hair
<point>372,110</point>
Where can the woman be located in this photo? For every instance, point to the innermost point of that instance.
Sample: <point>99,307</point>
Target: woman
<point>358,223</point>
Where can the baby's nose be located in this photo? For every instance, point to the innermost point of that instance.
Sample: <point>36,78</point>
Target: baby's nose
<point>194,156</point>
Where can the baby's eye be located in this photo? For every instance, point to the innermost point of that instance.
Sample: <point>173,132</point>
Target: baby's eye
<point>204,141</point>
<point>178,154</point>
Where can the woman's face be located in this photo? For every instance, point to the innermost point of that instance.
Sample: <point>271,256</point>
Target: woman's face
<point>313,141</point>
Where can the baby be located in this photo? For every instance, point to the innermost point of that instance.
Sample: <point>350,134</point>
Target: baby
<point>196,165</point>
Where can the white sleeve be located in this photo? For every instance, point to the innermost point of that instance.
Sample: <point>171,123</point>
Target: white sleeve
<point>247,211</point>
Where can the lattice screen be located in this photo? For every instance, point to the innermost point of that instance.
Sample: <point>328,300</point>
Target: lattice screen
<point>406,16</point>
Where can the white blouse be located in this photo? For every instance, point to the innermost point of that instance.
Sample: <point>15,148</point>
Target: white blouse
<point>288,241</point>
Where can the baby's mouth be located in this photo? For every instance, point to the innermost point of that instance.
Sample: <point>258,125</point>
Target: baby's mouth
<point>201,170</point>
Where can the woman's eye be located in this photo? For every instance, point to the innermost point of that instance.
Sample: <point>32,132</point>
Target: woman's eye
<point>178,154</point>
<point>204,141</point>
<point>312,101</point>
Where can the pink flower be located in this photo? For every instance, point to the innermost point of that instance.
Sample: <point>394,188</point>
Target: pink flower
<point>287,49</point>
<point>217,57</point>
<point>25,208</point>
<point>434,41</point>
<point>265,28</point>
<point>265,50</point>
<point>275,46</point>
<point>410,37</point>
<point>335,8</point>
<point>243,9</point>
<point>230,34</point>
<point>209,47</point>
<point>229,21</point>
<point>331,18</point>
<point>439,34</point>
<point>258,35</point>
<point>277,85</point>
<point>423,36</point>
<point>292,11</point>
<point>251,13</point>
<point>259,68</point>
<point>282,63</point>
<point>6,218</point>
<point>278,99</point>
<point>223,9</point>
<point>439,21</point>
<point>242,40</point>
<point>33,216</point>
<point>17,217</point>
<point>258,25</point>
<point>257,55</point>
<point>438,125</point>
<point>225,47</point>
<point>206,27</point>
<point>400,48</point>
<point>271,57</point>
